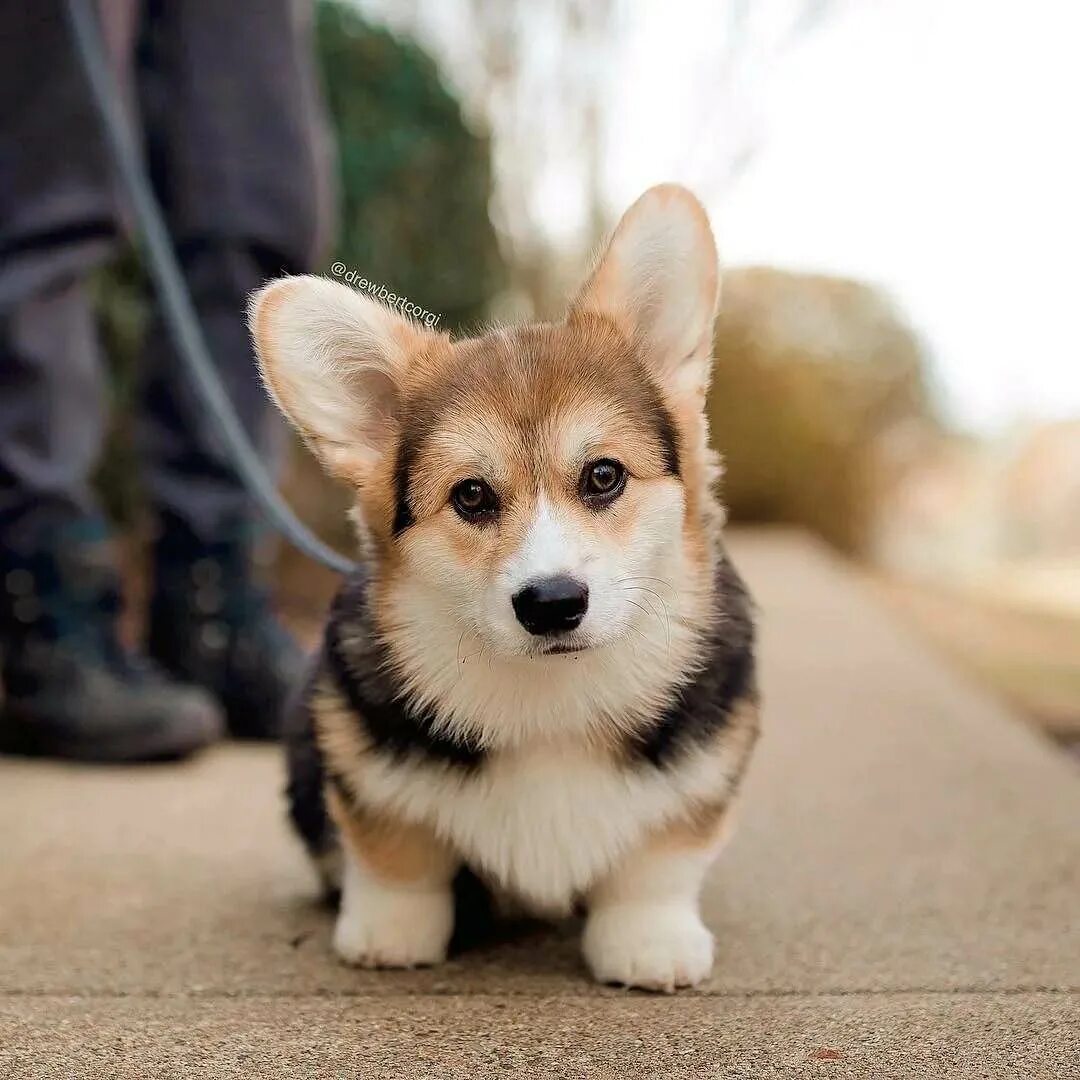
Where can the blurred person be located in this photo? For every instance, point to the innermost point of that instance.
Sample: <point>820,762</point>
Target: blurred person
<point>226,100</point>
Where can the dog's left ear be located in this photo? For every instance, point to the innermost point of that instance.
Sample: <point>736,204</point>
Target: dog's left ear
<point>659,280</point>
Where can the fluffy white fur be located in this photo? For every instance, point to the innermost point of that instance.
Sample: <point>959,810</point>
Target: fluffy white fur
<point>548,827</point>
<point>545,823</point>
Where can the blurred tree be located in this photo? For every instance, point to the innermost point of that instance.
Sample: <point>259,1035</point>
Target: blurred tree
<point>537,75</point>
<point>818,387</point>
<point>545,105</point>
<point>415,180</point>
<point>547,78</point>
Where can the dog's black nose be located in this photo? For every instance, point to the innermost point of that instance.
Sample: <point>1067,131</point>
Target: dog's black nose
<point>551,605</point>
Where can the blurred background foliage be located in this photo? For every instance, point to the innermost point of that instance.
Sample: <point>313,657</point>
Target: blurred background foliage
<point>415,181</point>
<point>818,385</point>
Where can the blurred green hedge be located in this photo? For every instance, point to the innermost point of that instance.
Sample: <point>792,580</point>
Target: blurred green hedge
<point>415,180</point>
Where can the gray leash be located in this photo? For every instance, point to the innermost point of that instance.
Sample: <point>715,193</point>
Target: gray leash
<point>176,305</point>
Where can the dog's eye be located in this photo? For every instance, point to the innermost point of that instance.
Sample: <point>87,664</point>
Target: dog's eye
<point>473,499</point>
<point>602,481</point>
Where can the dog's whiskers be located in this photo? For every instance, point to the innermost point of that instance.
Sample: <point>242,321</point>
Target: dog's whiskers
<point>645,577</point>
<point>664,618</point>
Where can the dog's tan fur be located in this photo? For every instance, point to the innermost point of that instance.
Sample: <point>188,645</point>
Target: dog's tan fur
<point>395,851</point>
<point>555,811</point>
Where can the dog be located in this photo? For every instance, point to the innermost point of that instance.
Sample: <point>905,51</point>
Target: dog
<point>543,677</point>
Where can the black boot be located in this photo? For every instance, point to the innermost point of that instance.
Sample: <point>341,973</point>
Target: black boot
<point>212,625</point>
<point>70,689</point>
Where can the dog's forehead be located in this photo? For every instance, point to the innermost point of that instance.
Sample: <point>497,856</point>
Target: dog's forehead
<point>528,379</point>
<point>525,408</point>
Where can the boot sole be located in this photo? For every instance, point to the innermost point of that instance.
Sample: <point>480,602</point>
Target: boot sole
<point>21,734</point>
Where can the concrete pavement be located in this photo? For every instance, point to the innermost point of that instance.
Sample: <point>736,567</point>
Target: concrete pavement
<point>902,899</point>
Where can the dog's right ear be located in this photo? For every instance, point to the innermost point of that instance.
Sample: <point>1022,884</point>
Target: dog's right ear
<point>333,360</point>
<point>658,280</point>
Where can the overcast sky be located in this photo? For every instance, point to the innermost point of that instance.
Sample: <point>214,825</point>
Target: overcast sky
<point>929,146</point>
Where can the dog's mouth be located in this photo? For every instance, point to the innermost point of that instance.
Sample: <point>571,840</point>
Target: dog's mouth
<point>563,649</point>
<point>570,644</point>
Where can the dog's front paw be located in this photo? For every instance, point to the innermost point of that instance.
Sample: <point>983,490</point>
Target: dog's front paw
<point>388,929</point>
<point>651,946</point>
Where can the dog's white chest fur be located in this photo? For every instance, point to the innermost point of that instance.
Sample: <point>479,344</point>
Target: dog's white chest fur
<point>545,824</point>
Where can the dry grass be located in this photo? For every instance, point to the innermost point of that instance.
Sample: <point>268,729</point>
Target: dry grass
<point>1026,654</point>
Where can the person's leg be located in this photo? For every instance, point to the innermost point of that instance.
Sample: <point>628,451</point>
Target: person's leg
<point>57,221</point>
<point>68,688</point>
<point>51,400</point>
<point>239,154</point>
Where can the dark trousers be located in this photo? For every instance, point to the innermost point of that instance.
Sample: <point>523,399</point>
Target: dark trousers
<point>224,95</point>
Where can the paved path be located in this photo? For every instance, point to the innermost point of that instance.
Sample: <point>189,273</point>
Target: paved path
<point>902,900</point>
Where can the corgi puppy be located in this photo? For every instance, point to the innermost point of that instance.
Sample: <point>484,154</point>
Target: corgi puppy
<point>543,675</point>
